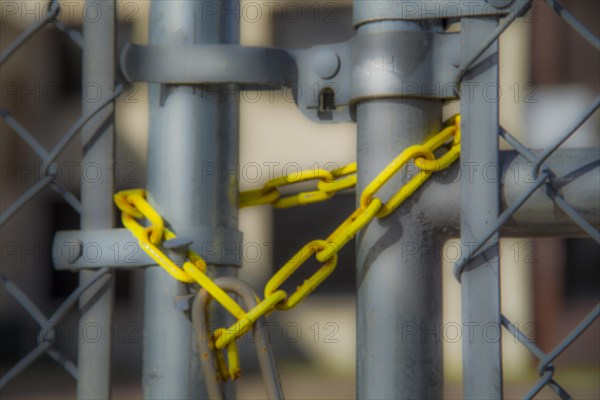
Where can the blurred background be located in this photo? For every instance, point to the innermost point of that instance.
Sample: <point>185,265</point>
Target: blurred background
<point>548,75</point>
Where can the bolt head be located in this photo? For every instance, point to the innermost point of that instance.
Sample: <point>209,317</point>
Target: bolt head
<point>325,63</point>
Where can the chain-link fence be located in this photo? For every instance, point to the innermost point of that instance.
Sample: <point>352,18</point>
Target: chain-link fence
<point>46,14</point>
<point>485,236</point>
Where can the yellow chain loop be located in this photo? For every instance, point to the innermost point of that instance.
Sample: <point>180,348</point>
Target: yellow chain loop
<point>230,370</point>
<point>409,188</point>
<point>370,207</point>
<point>424,160</point>
<point>243,325</point>
<point>193,271</point>
<point>346,231</point>
<point>215,291</point>
<point>258,197</point>
<point>342,183</point>
<point>292,265</point>
<point>328,184</point>
<point>133,205</point>
<point>125,206</point>
<point>437,141</point>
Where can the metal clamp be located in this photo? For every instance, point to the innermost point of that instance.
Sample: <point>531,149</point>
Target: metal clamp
<point>326,80</point>
<point>117,248</point>
<point>410,64</point>
<point>310,73</point>
<point>418,10</point>
<point>206,351</point>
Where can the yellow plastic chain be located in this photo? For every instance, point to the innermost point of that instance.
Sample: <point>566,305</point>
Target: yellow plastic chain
<point>329,184</point>
<point>133,206</point>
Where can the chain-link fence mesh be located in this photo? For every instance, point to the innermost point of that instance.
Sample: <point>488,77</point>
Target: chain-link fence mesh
<point>48,332</point>
<point>550,183</point>
<point>545,179</point>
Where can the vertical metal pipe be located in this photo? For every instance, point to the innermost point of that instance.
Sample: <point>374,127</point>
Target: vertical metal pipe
<point>399,349</point>
<point>97,187</point>
<point>192,182</point>
<point>480,203</point>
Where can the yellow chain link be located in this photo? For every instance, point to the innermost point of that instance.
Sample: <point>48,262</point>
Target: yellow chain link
<point>244,324</point>
<point>133,206</point>
<point>148,237</point>
<point>292,265</point>
<point>231,369</point>
<point>329,183</point>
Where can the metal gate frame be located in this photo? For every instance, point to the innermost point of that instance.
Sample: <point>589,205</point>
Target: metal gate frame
<point>381,103</point>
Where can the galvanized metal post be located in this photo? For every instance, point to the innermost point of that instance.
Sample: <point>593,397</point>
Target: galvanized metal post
<point>399,348</point>
<point>480,200</point>
<point>97,188</point>
<point>192,182</point>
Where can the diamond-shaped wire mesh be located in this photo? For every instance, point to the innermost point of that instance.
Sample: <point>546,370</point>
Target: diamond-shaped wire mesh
<point>47,326</point>
<point>546,179</point>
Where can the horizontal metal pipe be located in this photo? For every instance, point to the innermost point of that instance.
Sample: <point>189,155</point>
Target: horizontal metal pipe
<point>578,178</point>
